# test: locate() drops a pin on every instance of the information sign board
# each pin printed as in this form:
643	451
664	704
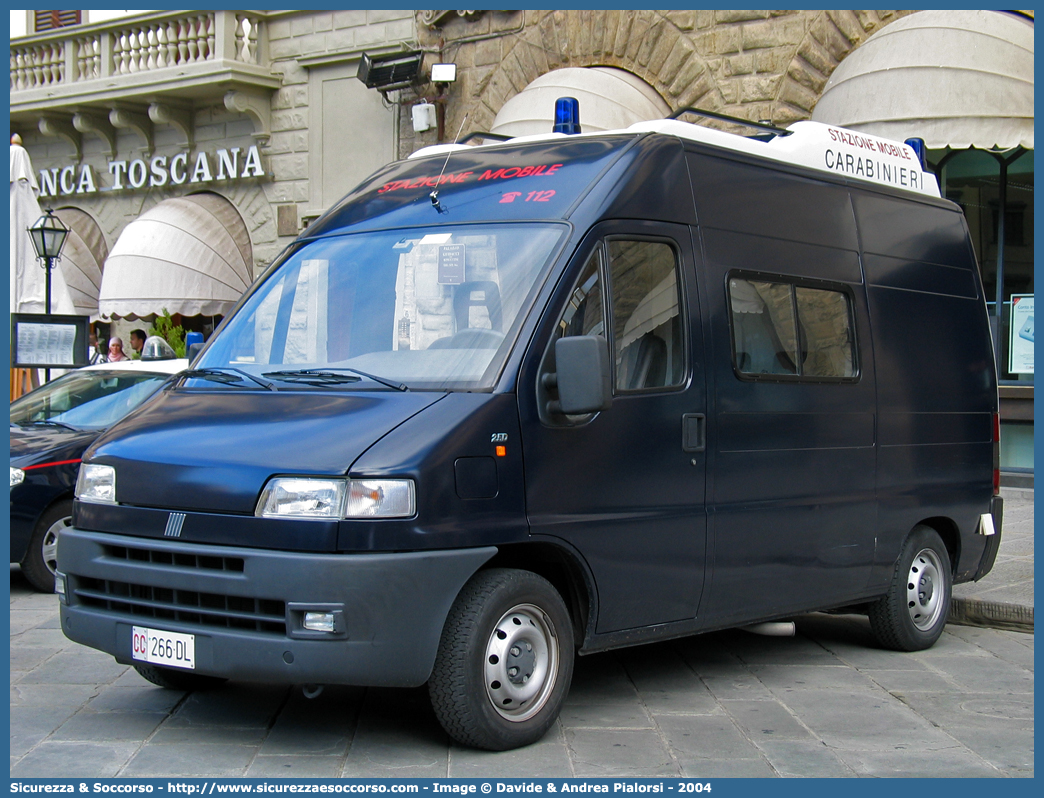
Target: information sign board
1020	346
42	340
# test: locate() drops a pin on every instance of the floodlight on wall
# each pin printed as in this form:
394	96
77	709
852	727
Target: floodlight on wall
390	71
443	73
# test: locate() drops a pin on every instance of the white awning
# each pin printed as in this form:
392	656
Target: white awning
189	255
82	258
610	99
953	78
28	278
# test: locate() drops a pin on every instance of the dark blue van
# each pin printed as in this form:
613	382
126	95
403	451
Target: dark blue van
509	403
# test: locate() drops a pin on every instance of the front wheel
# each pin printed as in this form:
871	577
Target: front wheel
504	662
911	616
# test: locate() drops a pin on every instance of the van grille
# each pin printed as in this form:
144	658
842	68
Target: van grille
182	606
178	559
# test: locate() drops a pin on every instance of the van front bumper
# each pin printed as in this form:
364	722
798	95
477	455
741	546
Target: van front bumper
245	607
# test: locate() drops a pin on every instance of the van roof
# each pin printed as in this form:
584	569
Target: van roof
824	148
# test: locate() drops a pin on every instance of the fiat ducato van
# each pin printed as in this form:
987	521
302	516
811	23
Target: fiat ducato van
513	402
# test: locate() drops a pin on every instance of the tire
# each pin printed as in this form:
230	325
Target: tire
911	616
40	560
172	679
504	662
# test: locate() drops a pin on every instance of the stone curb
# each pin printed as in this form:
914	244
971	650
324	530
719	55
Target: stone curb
994	614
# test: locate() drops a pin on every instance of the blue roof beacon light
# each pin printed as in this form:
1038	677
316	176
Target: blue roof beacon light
917	145
567	116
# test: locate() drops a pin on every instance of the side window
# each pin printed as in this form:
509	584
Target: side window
583	315
764	336
826	319
642	323
648	345
779	328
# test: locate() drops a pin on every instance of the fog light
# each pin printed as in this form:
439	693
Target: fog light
319	622
59	586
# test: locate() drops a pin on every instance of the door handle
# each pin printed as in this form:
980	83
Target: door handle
694	432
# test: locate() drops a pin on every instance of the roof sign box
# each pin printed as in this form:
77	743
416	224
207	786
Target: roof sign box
825	148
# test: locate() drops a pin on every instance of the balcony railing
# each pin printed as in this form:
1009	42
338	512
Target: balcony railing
129	47
92	78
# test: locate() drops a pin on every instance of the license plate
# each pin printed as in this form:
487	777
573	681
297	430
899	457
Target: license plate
163	648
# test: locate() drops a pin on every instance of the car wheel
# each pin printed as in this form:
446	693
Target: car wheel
171	679
504	662
40	560
911	616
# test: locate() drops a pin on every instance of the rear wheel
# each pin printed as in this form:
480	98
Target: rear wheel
504	662
172	679
911	616
41	557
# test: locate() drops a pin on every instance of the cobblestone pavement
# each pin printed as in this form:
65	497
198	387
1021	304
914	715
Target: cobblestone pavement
823	703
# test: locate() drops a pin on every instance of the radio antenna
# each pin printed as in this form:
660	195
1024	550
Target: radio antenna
434	195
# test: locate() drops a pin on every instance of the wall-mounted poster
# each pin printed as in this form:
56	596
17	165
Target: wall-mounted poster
1020	348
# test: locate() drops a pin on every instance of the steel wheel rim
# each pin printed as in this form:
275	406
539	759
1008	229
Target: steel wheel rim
924	589
49	549
521	662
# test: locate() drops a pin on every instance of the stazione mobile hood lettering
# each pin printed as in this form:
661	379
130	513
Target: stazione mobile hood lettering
543	182
503	173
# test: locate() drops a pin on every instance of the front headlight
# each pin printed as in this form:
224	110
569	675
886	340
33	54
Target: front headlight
294	497
96	484
17	476
332	498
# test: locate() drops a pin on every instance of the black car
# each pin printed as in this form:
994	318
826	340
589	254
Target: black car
51	427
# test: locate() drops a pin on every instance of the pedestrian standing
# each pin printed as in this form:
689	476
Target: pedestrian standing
137	342
97	351
116	350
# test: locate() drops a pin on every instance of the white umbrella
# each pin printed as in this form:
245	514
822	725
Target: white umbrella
28	277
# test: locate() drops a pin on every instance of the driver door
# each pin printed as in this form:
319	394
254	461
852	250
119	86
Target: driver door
626	487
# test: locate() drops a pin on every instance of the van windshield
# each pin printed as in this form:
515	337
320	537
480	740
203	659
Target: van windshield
425	308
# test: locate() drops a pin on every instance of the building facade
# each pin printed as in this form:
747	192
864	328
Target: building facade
256	114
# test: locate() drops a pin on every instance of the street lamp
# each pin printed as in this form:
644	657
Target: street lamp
48	235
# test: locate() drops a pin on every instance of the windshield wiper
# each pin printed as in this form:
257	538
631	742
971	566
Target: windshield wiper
47	422
312	377
222	375
331	377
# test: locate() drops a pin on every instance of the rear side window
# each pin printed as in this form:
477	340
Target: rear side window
784	330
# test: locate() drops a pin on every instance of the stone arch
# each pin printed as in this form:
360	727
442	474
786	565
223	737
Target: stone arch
831	36
610	99
753	64
649	44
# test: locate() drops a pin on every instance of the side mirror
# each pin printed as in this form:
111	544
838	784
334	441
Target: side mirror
584	383
193	349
